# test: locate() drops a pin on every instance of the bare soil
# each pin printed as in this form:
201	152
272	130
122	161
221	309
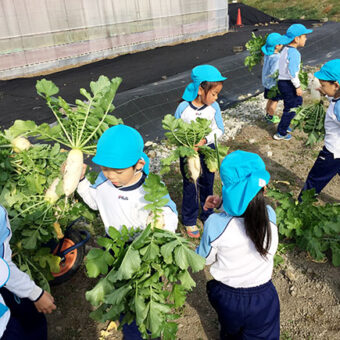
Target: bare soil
309	292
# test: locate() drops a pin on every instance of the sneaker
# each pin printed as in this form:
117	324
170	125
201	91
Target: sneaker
272	119
193	231
277	136
289	129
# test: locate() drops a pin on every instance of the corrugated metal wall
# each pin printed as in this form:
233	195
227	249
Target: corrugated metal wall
44	35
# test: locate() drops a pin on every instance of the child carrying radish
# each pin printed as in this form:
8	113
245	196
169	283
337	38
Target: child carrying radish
327	165
118	193
199	100
240	244
22	302
289	83
271	52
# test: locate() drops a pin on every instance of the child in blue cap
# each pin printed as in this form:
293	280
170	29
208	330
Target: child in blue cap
199	100
118	192
271	51
288	80
327	165
240	244
22	303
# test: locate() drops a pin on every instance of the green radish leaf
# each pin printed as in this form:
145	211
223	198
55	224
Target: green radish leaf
96	295
118	295
98	262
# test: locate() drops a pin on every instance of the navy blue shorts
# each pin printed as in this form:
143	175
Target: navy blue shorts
246	313
275	98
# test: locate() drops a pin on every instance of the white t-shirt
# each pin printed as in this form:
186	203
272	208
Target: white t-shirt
123	206
233	257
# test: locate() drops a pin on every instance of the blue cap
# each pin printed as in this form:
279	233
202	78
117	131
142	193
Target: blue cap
330	71
273	39
243	175
200	74
294	31
120	147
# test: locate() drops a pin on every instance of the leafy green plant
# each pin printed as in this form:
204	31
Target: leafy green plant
310	119
184	136
145	280
314	228
78	127
156	193
24	179
254	47
35	178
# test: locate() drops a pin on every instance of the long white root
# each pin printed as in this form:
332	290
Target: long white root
194	167
73	171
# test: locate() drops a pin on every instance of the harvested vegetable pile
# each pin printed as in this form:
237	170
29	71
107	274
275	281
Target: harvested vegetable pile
37	180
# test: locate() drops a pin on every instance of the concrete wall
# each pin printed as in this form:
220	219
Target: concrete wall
47	35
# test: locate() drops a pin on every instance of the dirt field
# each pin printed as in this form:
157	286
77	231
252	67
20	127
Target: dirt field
309	292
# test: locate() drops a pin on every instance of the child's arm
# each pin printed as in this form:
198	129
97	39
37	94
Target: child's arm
294	61
217	127
87	192
180	108
19	282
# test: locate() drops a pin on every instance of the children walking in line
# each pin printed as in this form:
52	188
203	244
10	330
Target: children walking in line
271	52
199	100
327	165
289	83
22	303
240	244
118	192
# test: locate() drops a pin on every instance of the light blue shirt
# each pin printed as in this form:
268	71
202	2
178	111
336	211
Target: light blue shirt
270	66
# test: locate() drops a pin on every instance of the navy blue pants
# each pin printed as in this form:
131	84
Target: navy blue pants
26	322
246	313
193	201
290	101
323	170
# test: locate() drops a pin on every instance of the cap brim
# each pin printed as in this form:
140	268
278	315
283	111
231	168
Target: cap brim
322	76
308	31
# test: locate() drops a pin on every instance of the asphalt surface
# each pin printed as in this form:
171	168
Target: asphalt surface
154	80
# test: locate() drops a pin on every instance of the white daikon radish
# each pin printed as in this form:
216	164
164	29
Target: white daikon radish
20	144
158	223
51	195
194	167
73	171
314	85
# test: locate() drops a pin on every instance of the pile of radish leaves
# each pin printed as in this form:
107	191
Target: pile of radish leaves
311	119
184	136
312	227
32	175
145	280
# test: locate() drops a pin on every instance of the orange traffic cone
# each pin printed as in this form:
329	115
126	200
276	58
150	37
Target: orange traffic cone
239	20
